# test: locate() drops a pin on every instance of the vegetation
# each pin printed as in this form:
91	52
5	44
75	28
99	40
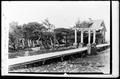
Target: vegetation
43	35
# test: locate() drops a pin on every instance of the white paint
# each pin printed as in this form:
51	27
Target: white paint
115	38
75	37
82	36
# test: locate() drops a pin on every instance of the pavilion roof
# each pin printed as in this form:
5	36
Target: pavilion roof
98	24
95	25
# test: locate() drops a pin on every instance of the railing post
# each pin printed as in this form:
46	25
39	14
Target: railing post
91	47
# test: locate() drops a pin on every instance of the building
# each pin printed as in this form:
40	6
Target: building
95	31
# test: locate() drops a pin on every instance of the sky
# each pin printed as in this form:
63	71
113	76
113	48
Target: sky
61	14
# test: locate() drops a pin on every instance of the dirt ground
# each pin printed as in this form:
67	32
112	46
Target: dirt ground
91	63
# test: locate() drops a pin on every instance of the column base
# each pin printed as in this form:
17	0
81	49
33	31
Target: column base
81	45
93	44
89	49
104	41
92	50
75	45
26	53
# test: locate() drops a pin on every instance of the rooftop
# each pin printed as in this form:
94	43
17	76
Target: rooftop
93	25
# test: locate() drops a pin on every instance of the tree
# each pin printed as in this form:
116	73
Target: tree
64	34
33	31
77	24
12	41
84	24
12	26
15	35
25	34
50	27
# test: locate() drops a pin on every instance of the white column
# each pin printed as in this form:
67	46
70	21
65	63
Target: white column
75	37
81	36
89	45
94	36
89	36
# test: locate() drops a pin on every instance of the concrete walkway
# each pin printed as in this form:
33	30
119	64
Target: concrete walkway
30	59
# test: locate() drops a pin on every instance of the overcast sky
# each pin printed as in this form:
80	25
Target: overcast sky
61	14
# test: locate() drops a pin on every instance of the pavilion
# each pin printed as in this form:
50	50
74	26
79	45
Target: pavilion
96	27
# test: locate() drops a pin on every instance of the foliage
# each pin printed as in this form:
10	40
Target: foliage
44	35
83	24
64	35
33	30
48	25
28	33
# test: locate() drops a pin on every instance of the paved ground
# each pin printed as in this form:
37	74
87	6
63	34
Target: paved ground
94	63
31	59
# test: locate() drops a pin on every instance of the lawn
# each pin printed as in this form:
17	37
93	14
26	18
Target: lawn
21	53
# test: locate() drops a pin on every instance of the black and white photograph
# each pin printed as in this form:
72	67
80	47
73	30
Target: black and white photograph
60	38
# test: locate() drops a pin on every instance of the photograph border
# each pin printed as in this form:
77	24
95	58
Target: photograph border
67	73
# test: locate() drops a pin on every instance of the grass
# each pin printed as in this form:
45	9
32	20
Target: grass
21	53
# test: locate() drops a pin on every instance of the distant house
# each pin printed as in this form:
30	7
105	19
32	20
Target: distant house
100	28
98	25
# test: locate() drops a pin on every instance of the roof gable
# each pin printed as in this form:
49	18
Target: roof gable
98	24
94	25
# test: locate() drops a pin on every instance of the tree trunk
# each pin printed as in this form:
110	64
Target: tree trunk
51	42
33	44
28	43
66	39
14	47
41	44
23	41
37	42
58	43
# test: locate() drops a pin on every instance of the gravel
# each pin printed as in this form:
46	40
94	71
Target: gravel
90	63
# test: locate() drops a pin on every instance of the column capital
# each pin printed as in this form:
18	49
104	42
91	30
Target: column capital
82	31
94	30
